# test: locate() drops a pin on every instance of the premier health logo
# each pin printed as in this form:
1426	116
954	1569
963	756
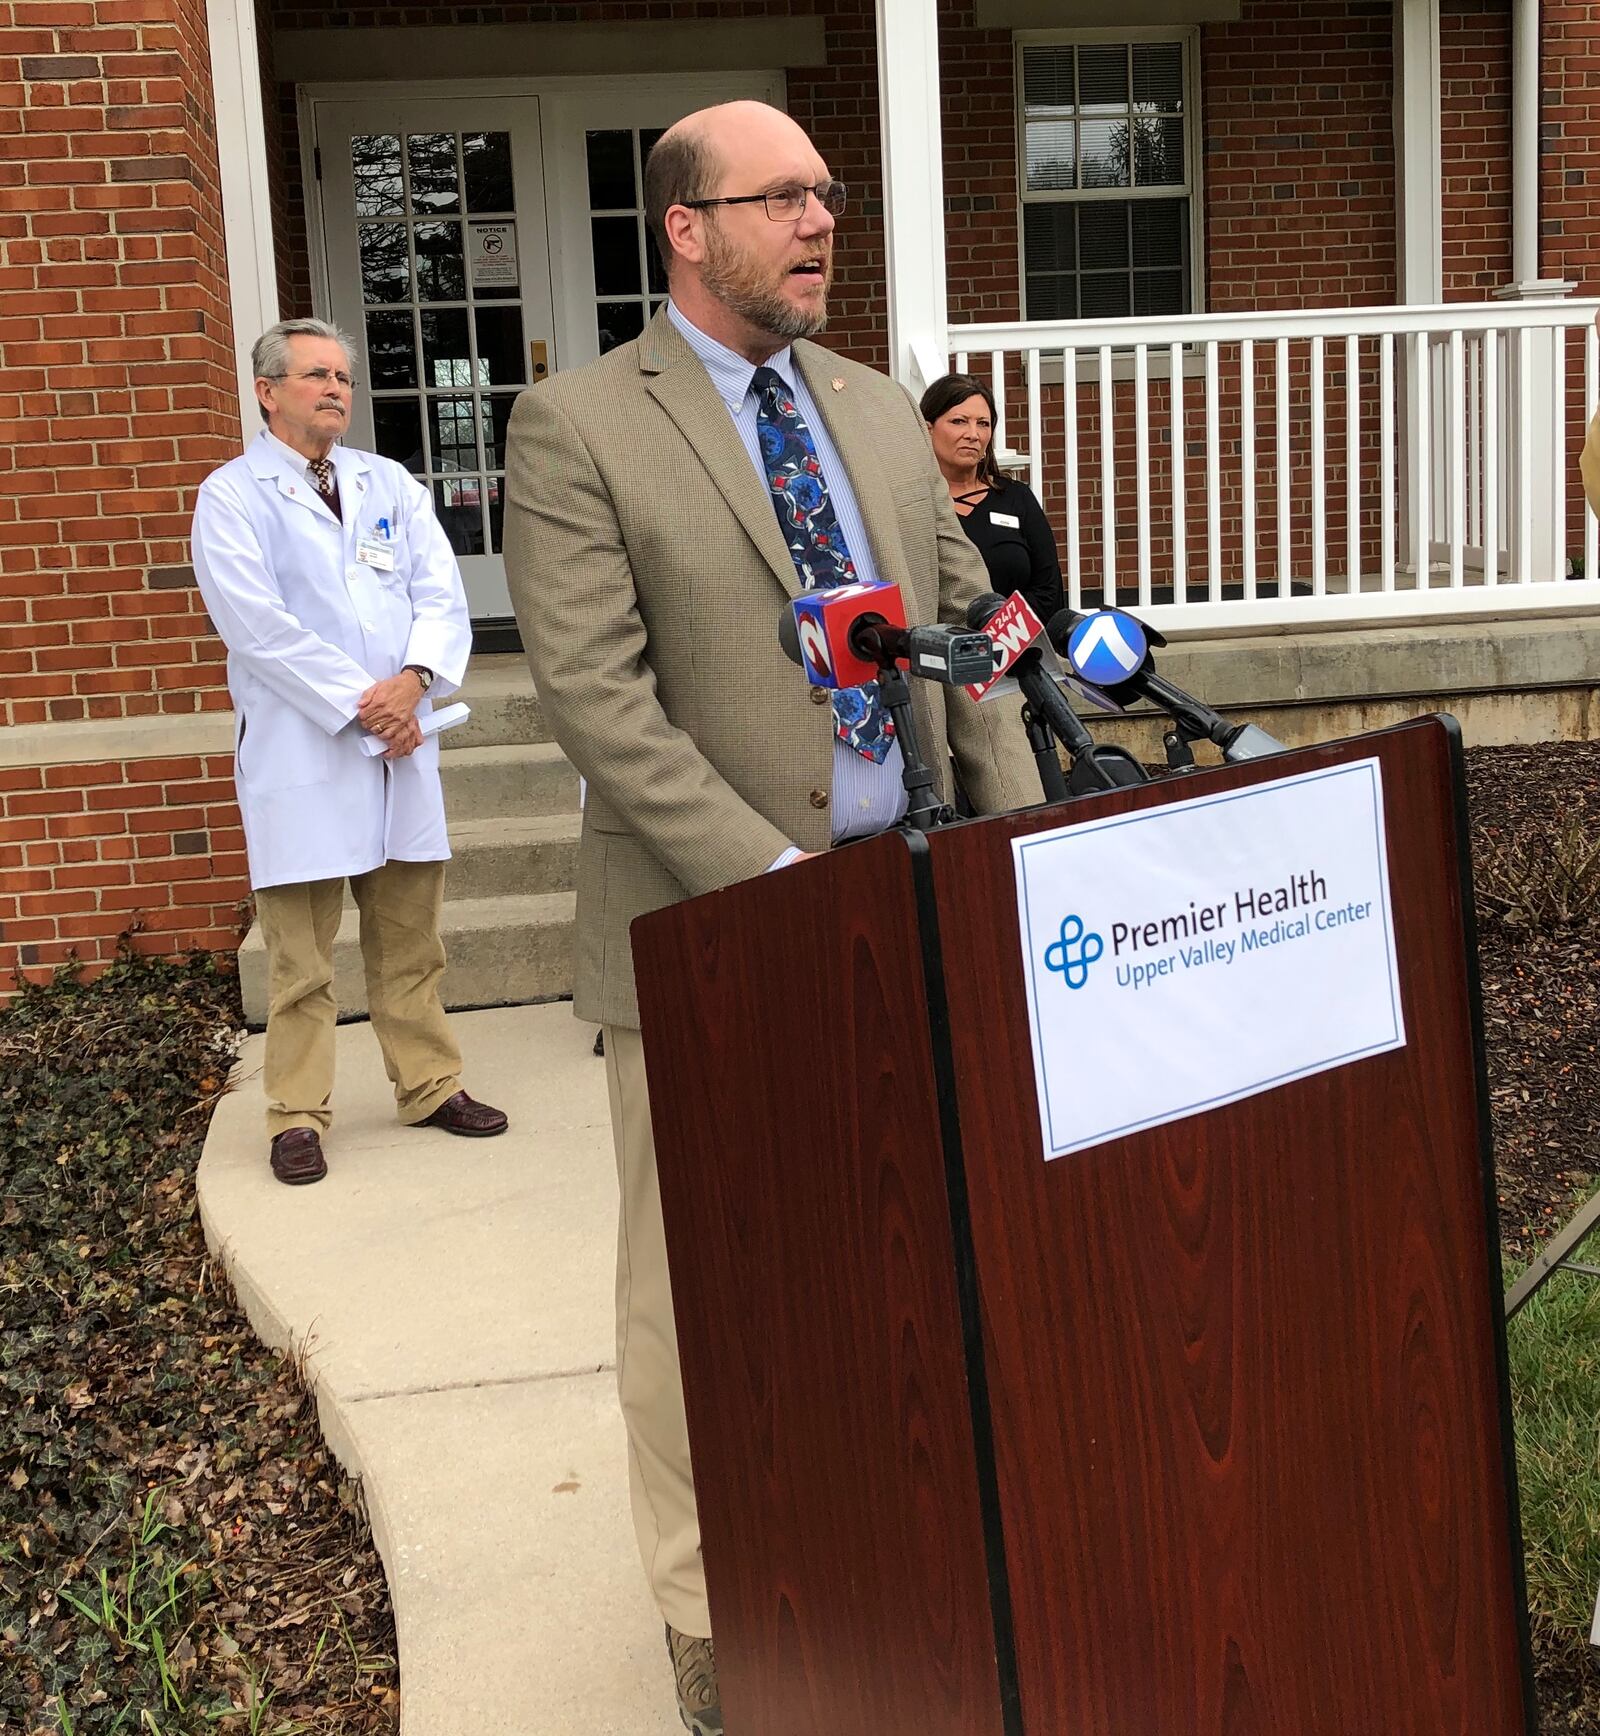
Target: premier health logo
1074	952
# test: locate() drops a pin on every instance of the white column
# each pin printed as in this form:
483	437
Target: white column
913	189
1536	388
1418	131
1419	251
1524	140
246	198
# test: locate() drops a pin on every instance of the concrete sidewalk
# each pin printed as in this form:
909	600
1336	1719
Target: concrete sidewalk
454	1301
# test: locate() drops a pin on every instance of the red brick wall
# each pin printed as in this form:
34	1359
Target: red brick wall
116	398
1475	64
1297	105
88	852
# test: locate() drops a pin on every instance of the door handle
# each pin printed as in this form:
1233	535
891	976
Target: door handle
538	360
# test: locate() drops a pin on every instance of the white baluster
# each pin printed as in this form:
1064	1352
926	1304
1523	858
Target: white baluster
1213	478
1352	464
997	379
1475	440
1035	428
1558	446
1319	474
1455	435
1247	455
1386	459
1108	484
1069	405
1522	500
1283	466
1141	432
1491	458
1180	502
1422	436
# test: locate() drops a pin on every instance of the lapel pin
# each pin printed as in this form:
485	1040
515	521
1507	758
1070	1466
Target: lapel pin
838	385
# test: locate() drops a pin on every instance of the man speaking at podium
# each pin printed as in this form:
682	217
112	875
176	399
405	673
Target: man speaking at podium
663	503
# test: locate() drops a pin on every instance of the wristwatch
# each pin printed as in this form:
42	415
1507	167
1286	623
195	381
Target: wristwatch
425	676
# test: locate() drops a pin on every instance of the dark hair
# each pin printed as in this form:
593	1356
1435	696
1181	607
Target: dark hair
681	166
943	396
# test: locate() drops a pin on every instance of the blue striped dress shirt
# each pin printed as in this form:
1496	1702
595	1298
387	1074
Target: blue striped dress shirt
866	797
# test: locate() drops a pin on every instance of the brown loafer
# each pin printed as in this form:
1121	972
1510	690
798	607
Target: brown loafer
467	1116
297	1156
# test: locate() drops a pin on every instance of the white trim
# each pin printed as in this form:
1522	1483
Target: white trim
1188	38
1524	141
1118	15
390	54
912	155
1419	133
244	185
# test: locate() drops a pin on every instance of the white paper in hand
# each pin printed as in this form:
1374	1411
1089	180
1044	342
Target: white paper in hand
446	717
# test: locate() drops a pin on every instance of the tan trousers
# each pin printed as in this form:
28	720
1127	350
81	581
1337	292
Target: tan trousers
660	1481
404	960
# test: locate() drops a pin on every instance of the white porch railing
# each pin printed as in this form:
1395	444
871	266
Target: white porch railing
1283	469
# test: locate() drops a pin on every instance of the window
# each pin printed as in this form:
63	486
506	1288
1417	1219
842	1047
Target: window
1107	176
629	281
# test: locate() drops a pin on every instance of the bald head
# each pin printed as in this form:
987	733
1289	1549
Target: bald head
690	159
748	247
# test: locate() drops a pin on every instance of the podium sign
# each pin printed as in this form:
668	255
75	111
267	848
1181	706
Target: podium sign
1253	925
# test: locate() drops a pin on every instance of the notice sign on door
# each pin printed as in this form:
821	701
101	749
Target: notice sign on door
492	255
1190	955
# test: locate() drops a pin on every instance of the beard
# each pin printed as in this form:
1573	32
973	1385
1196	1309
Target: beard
755	292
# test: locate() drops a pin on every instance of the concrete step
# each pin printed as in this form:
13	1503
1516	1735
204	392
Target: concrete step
508	782
511	857
505	708
501	951
507	858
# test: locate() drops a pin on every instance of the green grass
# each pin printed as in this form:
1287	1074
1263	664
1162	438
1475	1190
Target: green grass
1554	1346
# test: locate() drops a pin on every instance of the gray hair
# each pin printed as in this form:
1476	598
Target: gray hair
269	357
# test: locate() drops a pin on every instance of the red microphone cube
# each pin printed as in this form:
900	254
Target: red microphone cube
824	620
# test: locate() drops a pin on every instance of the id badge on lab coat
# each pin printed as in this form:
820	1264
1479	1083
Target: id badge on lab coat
375	552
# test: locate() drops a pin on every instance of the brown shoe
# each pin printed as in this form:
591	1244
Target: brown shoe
297	1156
694	1664
466	1115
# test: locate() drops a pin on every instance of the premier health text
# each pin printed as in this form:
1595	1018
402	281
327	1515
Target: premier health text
1196	937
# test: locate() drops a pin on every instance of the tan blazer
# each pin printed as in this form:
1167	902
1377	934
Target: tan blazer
647	572
1589	467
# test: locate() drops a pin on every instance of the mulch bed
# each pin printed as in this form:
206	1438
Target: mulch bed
178	1551
145	1436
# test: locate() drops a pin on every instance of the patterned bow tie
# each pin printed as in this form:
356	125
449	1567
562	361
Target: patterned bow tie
816	544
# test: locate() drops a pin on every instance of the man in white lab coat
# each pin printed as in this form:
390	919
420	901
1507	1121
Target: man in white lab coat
330	581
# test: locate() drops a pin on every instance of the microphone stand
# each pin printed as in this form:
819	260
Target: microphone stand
924	810
1041	738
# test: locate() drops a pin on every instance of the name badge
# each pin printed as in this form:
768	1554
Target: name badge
374	552
1006	519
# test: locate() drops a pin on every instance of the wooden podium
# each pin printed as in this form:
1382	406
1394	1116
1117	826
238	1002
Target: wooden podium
1200	1432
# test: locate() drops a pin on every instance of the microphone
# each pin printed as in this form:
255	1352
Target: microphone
1011	623
1111	650
847	635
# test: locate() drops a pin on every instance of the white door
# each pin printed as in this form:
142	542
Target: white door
442	218
438	266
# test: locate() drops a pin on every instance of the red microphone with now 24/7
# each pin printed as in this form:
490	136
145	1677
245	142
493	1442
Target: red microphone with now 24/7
849	634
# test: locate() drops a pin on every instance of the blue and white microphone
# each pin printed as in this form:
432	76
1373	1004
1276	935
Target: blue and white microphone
1111	650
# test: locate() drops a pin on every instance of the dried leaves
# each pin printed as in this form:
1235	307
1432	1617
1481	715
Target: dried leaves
177	1549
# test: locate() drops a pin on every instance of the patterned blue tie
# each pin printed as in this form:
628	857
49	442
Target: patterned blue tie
816	544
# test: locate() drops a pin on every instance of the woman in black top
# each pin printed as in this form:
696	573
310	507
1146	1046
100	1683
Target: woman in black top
1003	519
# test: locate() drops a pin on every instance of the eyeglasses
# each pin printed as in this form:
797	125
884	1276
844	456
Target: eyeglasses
321	376
787	204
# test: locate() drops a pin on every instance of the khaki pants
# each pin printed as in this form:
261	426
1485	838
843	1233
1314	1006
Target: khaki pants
660	1482
404	959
